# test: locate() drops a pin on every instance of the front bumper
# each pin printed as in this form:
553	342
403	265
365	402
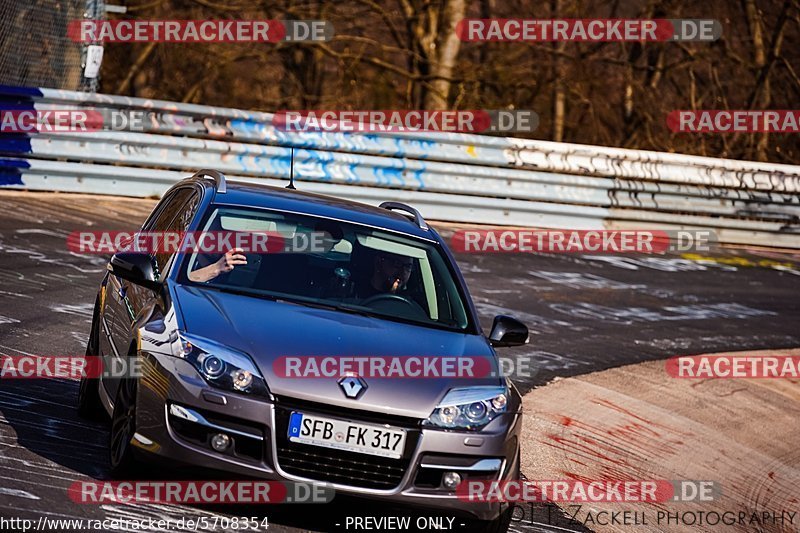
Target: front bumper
176	407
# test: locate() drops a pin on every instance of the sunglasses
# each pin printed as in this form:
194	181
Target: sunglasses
398	263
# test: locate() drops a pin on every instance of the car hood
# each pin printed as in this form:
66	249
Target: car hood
267	330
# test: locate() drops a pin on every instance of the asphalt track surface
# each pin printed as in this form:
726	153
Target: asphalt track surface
585	313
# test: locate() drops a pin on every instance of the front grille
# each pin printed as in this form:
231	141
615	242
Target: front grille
338	466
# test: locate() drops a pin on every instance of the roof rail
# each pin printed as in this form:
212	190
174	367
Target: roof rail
408	209
219	178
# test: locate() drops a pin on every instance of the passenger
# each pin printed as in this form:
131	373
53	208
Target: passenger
225	264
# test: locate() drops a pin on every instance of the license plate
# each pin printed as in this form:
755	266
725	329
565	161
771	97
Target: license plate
349	436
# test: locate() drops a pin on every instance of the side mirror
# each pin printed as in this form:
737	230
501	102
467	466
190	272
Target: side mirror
508	331
134	267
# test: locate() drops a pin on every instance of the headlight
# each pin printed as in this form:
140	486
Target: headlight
469	408
221	366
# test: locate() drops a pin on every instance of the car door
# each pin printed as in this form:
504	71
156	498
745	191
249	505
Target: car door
124	300
111	301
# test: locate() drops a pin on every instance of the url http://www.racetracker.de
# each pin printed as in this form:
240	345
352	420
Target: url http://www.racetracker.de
202	523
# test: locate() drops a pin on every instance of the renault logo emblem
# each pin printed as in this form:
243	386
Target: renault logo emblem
353	386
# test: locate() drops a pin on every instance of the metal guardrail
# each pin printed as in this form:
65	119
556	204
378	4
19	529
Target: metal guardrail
454	177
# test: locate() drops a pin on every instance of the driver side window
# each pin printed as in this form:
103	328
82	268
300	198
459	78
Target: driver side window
175	216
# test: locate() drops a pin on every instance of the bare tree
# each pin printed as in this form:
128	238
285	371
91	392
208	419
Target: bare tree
406	54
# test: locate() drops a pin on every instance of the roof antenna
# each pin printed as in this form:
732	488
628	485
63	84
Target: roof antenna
291	172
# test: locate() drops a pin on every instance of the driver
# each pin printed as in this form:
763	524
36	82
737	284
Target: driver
390	274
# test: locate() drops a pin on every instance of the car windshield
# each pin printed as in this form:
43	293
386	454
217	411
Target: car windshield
321	262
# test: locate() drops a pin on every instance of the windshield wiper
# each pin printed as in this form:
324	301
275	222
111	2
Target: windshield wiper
242	292
329	307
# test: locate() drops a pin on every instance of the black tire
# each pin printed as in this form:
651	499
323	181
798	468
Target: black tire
89	405
123	426
499	524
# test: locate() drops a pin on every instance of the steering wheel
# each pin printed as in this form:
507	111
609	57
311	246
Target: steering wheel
414	307
387	297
